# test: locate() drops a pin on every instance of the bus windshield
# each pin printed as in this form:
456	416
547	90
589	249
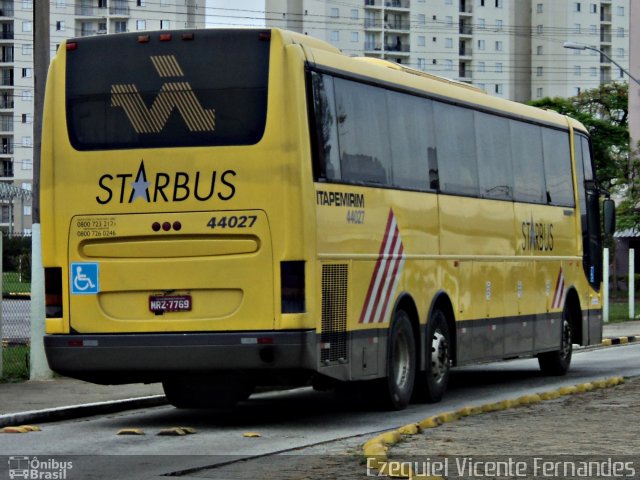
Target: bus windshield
189	89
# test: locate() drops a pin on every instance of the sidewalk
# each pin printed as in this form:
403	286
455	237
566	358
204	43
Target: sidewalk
65	398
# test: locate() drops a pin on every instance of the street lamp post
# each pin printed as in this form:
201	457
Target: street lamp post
582	46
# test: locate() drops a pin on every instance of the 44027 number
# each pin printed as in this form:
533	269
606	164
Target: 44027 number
232	221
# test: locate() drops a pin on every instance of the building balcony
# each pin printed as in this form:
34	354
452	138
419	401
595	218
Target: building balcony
118	10
373	3
6	103
6	149
372	47
605	37
85	10
372	24
6	35
465	51
466	7
397	5
465	29
397	26
6	10
397	49
605	17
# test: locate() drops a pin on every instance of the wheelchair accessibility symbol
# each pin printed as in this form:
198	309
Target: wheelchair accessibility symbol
84	278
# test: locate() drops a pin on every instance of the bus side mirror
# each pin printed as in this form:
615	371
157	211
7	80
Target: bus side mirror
609	216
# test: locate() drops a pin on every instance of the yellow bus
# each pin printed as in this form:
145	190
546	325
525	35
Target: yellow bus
229	208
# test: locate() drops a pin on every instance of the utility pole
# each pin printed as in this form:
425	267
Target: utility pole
39	369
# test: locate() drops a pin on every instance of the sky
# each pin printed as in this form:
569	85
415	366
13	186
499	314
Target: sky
249	13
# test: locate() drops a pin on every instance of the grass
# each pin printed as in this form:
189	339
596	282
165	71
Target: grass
11	283
619	310
15	363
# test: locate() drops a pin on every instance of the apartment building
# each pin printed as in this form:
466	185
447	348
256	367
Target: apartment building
510	48
68	18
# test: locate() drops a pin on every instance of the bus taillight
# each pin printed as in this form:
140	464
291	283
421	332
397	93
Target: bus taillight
53	292
292	284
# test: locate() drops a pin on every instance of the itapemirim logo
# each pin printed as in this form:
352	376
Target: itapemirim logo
178	95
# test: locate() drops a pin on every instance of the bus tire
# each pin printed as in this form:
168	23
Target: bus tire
557	363
438	361
396	389
206	392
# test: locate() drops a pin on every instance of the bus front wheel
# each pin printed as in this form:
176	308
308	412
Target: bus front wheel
558	362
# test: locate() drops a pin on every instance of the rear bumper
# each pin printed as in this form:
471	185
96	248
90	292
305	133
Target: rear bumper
147	357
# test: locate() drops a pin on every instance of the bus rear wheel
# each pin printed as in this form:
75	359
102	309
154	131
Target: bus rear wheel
218	391
558	362
396	389
438	361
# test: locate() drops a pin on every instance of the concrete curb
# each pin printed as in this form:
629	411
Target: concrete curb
376	450
620	340
78	411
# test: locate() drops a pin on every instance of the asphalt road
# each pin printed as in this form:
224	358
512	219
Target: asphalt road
288	422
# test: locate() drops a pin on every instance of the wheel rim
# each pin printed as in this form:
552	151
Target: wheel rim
439	356
401	361
567	341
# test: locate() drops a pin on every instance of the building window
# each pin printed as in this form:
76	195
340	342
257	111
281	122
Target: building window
539	93
27	49
481	3
60	26
26	186
620	52
481	45
577	6
448	2
335	36
539	71
26	141
421	41
498	88
165	24
499	25
482	23
539	50
27	95
498	68
621	74
27	73
577	91
593	8
165	3
621	32
422	19
540	8
121	26
481	67
354	14
335	13
539	29
27	164
577	70
448	19
448	43
141	24
27	26
620	11
448	65
355	37
593	29
593	71
422	63
498	45
498	3
26	209
27	4
140	3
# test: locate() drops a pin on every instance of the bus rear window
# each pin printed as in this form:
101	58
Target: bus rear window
206	88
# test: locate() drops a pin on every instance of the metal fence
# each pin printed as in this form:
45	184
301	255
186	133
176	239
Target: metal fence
16	307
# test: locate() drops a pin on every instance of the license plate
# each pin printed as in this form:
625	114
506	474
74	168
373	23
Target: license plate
169	303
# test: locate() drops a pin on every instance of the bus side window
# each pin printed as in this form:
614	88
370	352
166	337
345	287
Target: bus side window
494	156
326	134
